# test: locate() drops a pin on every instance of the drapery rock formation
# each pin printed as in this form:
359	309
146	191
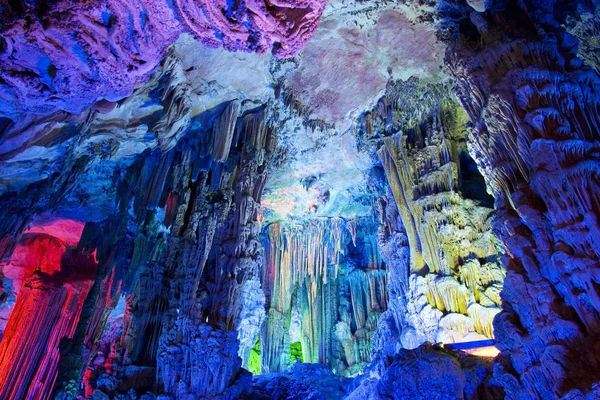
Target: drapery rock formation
290	199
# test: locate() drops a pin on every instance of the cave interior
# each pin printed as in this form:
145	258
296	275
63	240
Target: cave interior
299	199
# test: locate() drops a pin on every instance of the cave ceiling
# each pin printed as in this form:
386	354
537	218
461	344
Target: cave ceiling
314	95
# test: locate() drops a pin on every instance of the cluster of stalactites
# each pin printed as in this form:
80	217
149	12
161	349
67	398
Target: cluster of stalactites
405	104
337	300
233	305
298	254
367	295
422	179
187	232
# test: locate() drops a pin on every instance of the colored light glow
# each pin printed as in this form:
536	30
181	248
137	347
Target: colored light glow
67	230
479	348
41	249
487	352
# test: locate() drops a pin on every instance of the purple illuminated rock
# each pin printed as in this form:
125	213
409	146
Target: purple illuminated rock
71	54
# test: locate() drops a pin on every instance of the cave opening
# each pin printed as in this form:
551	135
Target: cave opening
474	186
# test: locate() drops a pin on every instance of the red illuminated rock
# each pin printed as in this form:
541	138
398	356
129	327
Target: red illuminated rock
47	310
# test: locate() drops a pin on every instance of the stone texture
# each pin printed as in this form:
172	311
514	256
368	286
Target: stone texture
66	55
323	79
299	382
534	110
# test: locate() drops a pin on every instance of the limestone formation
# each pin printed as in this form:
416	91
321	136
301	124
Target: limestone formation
449	276
308	199
534	110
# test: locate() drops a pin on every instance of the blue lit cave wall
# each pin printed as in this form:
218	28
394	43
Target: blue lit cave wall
308	200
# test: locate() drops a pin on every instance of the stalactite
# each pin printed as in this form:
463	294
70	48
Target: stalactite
447	294
395	177
224	128
338	298
176	100
275	341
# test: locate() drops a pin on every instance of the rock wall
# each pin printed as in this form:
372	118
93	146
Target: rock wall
533	107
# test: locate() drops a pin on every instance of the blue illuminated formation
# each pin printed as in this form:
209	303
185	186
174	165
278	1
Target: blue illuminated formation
222	199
